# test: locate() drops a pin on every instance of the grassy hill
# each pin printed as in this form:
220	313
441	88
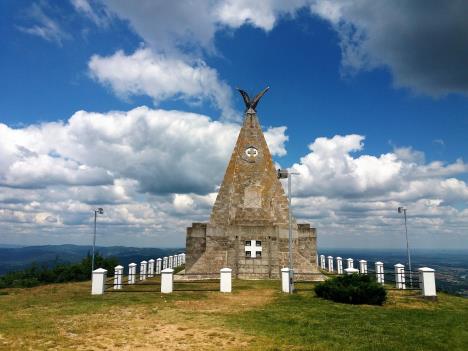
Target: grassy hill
17	258
256	316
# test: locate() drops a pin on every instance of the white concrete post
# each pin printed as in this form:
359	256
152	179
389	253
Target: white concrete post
118	273
167	281
351	271
131	273
158	266
379	272
322	261
330	263
363	266
183	258
400	276
151	268
286	275
226	280
350	263
143	270
98	281
165	263
177	260
427	282
339	265
170	262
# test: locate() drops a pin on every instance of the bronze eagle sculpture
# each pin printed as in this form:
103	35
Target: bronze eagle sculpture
252	104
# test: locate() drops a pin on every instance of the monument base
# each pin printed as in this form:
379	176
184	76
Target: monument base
252	252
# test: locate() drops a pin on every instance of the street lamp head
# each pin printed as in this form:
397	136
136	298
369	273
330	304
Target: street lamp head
283	173
99	210
401	209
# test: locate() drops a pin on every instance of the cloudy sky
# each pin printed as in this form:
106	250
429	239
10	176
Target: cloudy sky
131	106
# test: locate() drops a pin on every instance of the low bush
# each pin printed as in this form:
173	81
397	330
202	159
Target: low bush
354	289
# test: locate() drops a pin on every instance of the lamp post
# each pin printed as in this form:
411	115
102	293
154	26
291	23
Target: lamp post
403	210
284	173
96	211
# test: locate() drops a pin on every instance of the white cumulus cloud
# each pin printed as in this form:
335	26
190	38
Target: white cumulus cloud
261	14
161	77
153	172
173	25
346	194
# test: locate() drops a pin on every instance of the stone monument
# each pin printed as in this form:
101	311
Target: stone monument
248	226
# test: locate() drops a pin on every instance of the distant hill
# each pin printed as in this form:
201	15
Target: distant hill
17	258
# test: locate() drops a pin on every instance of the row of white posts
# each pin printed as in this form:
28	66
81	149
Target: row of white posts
426	274
148	269
167	281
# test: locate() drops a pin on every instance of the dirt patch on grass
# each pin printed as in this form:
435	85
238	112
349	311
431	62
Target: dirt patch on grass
229	303
180	325
148	328
159	336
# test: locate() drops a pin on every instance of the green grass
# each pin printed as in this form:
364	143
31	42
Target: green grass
309	323
257	316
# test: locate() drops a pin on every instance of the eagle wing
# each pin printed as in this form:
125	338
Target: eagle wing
258	97
246	98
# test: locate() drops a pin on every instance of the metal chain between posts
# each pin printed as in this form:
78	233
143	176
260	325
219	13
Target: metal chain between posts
213	279
389	277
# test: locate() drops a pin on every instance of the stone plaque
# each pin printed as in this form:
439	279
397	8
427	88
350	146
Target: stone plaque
252	197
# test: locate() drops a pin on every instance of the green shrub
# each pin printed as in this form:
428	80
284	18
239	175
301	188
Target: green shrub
355	289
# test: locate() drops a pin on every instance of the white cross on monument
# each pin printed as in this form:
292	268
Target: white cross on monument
251	152
253	246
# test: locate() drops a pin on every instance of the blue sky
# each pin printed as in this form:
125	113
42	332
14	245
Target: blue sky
389	83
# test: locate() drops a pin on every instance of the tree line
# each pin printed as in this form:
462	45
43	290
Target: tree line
63	272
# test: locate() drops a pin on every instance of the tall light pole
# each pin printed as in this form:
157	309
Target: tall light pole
403	210
284	173
96	211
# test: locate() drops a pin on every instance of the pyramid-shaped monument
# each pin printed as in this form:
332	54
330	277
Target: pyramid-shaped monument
248	227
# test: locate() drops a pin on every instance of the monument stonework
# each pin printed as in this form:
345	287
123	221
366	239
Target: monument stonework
248	226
